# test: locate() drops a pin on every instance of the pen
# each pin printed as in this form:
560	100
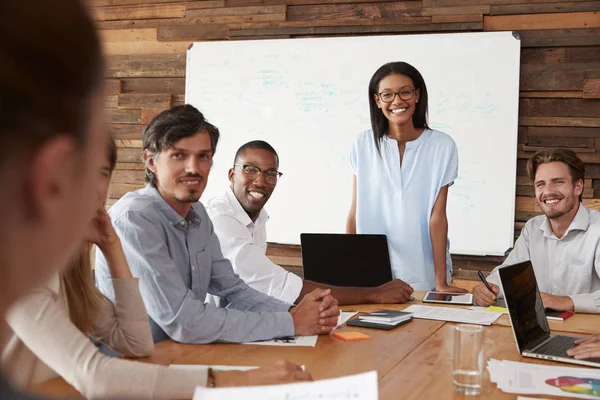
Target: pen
485	282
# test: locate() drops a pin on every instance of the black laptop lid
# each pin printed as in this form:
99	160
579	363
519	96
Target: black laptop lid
524	305
346	260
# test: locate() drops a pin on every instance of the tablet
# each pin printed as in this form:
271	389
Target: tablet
448	298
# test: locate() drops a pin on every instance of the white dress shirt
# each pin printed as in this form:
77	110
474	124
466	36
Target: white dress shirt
566	266
244	243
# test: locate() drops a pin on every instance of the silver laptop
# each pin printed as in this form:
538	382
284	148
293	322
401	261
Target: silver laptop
528	318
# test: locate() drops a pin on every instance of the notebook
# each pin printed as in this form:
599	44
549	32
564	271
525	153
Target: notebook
386	316
345	259
528	318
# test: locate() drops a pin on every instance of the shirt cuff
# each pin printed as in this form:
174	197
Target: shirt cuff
494	278
585	303
292	289
285	325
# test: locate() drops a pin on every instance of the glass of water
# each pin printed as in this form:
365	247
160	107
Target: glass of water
467	372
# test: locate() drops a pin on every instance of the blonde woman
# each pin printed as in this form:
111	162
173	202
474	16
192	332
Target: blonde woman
51	328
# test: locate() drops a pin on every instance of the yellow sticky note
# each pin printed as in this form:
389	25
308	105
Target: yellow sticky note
496	309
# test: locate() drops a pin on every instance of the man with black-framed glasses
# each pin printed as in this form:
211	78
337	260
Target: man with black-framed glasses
171	247
239	220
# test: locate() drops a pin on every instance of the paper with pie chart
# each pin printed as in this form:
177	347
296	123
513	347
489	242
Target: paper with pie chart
526	378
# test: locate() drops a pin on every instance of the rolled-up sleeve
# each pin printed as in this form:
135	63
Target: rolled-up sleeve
180	312
519	253
232	290
250	262
589	302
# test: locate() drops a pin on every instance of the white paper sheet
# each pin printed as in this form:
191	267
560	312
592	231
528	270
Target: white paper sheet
198	367
344	317
353	387
307	341
453	314
525	378
529	398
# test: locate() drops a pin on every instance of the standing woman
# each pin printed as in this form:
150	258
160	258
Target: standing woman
402	171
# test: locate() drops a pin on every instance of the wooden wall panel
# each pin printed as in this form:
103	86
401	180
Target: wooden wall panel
354	11
142	11
499	9
146	41
542	21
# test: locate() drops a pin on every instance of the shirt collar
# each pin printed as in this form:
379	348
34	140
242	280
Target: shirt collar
176	220
240	214
579	223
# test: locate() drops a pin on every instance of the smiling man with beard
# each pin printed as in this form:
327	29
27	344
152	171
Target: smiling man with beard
171	247
240	221
564	243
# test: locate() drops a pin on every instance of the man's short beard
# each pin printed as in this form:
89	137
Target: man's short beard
192	198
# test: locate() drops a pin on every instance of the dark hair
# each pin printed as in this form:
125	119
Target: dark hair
379	122
50	65
172	125
112	154
565	156
255	145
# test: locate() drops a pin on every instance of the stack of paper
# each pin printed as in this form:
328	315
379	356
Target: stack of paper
453	314
525	378
354	387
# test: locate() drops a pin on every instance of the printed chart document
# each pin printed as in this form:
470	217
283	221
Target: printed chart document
525	378
453	314
307	341
353	387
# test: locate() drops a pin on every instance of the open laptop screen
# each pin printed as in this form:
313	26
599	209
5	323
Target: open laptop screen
524	305
346	259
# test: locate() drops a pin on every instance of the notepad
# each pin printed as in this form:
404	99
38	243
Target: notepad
350	336
386	316
558	315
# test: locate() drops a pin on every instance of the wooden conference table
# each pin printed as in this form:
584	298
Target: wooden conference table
413	361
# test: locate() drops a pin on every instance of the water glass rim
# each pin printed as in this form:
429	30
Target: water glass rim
469	328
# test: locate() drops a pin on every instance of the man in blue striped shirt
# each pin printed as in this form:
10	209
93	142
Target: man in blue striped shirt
171	246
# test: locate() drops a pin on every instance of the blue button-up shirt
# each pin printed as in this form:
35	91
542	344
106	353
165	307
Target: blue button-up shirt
178	261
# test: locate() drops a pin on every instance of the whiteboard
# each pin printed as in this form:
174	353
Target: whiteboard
309	99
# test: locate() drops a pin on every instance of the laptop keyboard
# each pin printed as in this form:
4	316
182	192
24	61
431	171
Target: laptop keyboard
556	346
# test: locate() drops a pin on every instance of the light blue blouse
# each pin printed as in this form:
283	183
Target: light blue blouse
397	199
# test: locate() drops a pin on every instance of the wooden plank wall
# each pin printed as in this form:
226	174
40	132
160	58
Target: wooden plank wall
146	40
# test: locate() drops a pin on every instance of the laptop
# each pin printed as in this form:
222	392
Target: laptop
346	259
528	318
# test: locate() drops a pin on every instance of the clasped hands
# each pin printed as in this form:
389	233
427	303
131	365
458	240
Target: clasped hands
316	314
